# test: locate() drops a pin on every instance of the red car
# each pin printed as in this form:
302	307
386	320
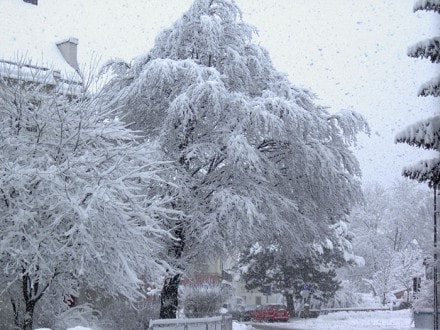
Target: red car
271	313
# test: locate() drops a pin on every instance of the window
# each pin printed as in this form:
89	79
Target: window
33	2
258	300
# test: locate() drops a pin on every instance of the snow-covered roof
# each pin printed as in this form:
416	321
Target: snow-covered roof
27	39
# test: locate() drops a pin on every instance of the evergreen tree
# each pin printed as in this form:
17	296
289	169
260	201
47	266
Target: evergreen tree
425	133
276	268
255	158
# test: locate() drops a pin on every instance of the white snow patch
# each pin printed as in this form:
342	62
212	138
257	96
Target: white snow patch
75	328
378	320
241	326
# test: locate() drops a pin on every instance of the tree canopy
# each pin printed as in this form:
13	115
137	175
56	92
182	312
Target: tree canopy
255	158
251	149
393	240
283	272
76	200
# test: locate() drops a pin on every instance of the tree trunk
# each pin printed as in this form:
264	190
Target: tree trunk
170	290
15	309
31	295
290	305
29	316
28	301
384	299
169	297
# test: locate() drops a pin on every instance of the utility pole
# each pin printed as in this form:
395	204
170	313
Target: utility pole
435	262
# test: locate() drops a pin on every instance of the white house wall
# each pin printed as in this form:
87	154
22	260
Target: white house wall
254	297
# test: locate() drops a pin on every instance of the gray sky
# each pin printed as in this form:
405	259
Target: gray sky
351	53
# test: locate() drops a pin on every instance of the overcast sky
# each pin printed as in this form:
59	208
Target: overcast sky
351	53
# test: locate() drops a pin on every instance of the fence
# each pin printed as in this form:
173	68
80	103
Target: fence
424	318
207	323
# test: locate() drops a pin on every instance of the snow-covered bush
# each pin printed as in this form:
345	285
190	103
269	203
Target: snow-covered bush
200	301
425	298
121	314
83	315
347	296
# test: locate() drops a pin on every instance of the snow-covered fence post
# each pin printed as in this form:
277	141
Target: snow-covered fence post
224	324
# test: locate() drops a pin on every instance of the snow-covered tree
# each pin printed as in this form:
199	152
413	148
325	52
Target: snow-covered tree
391	233
429	49
425	133
77	204
280	270
255	158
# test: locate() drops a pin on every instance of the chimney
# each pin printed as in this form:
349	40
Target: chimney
68	49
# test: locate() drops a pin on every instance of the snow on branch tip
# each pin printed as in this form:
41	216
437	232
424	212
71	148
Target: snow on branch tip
424	134
433	5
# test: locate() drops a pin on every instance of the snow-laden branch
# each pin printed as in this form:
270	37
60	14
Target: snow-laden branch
427	171
428	48
430	88
425	134
433	5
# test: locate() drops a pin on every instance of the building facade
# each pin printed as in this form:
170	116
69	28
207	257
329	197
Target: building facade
33	51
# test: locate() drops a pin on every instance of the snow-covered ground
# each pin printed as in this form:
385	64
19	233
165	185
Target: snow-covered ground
75	328
379	320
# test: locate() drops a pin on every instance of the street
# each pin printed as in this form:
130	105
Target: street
274	326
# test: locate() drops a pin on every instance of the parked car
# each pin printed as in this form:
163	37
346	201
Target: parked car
271	313
235	312
246	313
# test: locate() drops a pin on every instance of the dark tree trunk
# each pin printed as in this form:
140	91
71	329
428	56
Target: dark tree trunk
169	297
290	305
28	319
31	295
29	316
15	309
